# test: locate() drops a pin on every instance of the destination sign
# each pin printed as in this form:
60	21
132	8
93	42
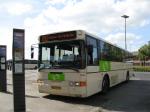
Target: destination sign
58	36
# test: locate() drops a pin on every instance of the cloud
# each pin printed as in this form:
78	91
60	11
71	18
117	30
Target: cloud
101	17
62	2
6	39
54	2
17	8
138	10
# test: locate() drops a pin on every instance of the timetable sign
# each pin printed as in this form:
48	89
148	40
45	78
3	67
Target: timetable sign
18	50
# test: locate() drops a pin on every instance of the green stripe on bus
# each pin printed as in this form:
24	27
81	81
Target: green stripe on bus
104	66
56	76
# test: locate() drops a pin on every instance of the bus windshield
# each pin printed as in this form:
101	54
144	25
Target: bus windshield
68	54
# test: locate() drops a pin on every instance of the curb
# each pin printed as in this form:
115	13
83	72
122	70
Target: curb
97	109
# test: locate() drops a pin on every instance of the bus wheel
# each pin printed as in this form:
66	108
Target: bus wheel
127	76
105	84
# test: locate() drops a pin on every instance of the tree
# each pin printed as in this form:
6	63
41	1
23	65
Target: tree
144	52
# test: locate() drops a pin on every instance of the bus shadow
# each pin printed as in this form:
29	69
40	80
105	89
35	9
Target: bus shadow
133	96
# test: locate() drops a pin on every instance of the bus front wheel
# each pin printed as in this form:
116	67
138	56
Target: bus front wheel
105	85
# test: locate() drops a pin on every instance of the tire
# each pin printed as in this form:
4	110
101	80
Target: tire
35	67
127	76
105	85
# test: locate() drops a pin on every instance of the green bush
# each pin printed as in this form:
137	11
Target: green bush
141	68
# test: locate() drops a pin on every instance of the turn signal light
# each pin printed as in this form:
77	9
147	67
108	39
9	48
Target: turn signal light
82	84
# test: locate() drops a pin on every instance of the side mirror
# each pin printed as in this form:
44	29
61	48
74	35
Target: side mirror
32	52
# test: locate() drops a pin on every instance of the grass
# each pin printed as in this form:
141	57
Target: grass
141	68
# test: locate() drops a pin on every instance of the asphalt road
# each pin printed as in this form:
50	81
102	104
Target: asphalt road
133	96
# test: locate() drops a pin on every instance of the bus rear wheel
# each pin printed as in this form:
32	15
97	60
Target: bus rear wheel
105	85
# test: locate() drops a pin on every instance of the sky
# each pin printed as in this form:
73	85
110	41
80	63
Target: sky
99	17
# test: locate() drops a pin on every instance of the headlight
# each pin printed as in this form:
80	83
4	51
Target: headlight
77	83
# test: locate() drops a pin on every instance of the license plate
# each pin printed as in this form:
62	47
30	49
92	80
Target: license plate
56	76
56	87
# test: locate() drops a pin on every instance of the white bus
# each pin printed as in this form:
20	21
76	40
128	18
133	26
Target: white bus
78	64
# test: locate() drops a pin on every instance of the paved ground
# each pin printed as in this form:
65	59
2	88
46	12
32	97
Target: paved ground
133	96
30	83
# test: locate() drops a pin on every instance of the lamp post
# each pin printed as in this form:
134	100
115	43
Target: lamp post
125	17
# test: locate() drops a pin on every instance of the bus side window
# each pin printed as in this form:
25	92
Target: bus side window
92	51
90	54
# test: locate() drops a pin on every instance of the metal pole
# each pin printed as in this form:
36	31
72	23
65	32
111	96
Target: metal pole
125	36
125	17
